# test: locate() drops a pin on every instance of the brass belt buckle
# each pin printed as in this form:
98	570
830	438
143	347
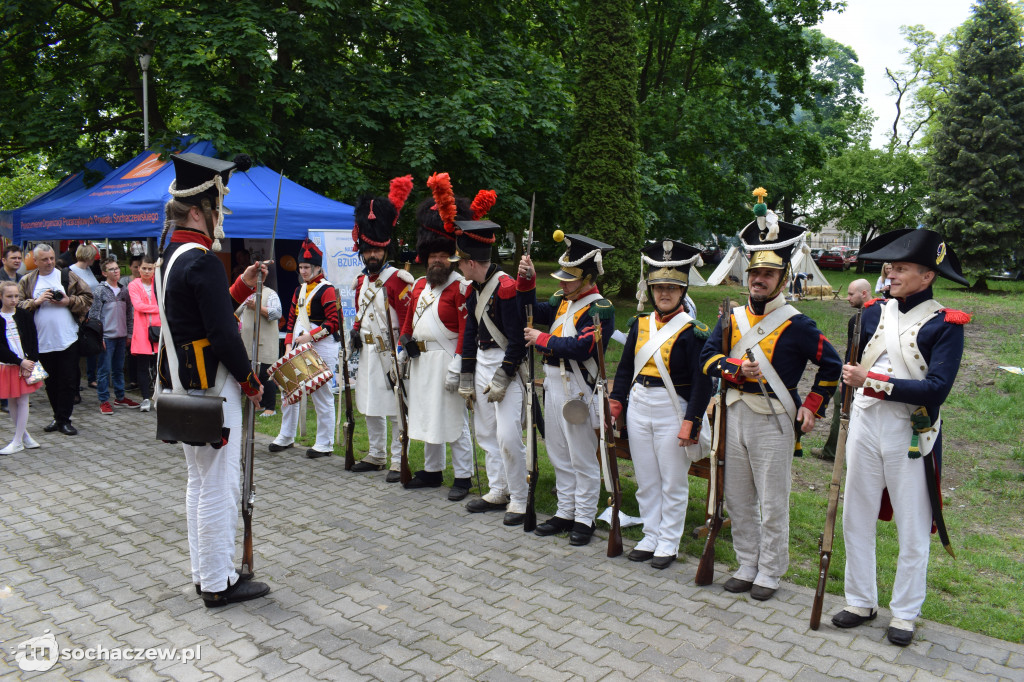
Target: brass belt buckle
368	339
422	345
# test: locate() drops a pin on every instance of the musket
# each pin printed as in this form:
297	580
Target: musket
249	439
606	439
764	392
403	419
828	535
350	422
532	463
715	515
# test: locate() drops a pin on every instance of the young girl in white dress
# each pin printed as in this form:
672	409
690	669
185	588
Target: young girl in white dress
18	355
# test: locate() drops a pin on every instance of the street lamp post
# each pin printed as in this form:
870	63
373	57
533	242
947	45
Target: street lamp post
144	63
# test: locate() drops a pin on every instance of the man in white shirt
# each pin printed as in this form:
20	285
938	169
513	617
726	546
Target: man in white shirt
56	298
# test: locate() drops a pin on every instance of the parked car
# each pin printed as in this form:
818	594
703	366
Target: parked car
816	254
851	257
832	261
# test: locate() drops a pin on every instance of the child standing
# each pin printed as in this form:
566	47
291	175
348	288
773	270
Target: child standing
18	354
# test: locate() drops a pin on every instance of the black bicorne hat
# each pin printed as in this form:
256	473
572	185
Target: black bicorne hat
922	247
583	257
309	253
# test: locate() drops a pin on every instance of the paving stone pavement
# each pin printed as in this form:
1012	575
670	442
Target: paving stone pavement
373	582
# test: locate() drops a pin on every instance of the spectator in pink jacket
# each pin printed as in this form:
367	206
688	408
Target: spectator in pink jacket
147	315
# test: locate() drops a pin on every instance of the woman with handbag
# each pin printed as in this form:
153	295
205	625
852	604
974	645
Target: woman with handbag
146	329
18	355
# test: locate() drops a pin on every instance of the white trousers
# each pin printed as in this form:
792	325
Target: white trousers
661	466
323	403
462	453
572	449
376	435
876	454
212	498
758	461
499	431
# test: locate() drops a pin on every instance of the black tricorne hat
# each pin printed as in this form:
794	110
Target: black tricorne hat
922	247
474	239
583	257
431	236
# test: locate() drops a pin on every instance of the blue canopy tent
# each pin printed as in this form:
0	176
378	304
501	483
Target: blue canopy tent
72	183
129	204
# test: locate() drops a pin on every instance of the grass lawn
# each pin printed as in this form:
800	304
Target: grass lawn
983	477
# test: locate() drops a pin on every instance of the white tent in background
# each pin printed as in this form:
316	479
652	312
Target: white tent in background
733	265
802	262
695	279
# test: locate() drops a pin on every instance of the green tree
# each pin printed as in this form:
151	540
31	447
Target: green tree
866	192
977	164
22	179
603	196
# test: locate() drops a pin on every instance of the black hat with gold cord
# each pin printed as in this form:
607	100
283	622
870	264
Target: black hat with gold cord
670	263
583	258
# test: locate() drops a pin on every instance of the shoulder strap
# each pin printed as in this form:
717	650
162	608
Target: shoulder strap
657	339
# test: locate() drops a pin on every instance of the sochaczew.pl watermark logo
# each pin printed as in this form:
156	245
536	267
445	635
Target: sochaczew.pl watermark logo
39	654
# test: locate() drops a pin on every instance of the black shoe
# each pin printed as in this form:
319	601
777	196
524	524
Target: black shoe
640	555
513	519
580	534
392	477
363	465
735	585
849	619
242	590
52	426
4	408
481	505
67	429
900	637
425	479
662	561
556	524
78	399
313	453
460	488
274	447
761	593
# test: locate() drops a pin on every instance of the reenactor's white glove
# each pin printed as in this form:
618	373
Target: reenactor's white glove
466	389
451	381
499	384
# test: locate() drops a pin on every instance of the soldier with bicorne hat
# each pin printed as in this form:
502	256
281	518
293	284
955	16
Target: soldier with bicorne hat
312	318
912	349
430	337
197	312
761	431
571	372
492	351
664	394
382	298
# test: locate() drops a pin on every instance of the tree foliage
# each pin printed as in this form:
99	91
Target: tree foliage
603	197
977	164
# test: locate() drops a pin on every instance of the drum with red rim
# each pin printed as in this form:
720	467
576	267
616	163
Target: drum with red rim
300	372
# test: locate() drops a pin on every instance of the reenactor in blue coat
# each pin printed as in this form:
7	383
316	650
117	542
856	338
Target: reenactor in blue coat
664	394
198	312
570	363
763	405
912	349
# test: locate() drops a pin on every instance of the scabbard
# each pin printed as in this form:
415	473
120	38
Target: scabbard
936	502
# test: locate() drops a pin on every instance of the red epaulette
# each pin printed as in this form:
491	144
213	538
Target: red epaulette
956	316
507	288
873	301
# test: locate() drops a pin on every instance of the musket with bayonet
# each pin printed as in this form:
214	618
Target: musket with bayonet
828	535
249	435
532	463
350	422
715	515
405	473
606	440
